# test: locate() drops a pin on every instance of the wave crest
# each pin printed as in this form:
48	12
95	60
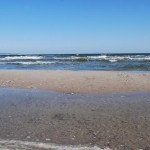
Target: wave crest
29	63
21	57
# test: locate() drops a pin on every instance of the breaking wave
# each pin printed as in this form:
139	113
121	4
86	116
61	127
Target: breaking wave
104	58
21	57
29	63
121	62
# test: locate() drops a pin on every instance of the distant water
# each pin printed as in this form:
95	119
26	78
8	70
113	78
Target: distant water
114	62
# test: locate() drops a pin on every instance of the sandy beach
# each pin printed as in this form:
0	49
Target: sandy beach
77	81
74	110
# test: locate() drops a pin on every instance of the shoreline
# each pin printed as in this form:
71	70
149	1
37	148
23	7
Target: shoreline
115	121
25	145
98	82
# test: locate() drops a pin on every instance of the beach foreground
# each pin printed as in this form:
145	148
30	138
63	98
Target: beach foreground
77	81
116	121
75	110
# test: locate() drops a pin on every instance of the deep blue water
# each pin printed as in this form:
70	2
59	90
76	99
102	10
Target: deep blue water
115	62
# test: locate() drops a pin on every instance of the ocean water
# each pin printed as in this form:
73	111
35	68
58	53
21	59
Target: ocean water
106	62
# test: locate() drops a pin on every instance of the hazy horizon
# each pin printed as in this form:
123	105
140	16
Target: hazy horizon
122	53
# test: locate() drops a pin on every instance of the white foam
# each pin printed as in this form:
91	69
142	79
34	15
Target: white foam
8	144
97	57
29	63
79	57
21	57
106	57
113	60
144	58
69	58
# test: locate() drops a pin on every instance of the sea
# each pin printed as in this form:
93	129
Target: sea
95	62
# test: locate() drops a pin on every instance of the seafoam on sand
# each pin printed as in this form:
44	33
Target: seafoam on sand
13	144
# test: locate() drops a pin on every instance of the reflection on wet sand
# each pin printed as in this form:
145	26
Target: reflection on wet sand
113	120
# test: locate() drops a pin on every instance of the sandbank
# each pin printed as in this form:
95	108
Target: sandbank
76	81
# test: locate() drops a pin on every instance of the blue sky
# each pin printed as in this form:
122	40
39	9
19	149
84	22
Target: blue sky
74	26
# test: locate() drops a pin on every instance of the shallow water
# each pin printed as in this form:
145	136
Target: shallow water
15	93
92	121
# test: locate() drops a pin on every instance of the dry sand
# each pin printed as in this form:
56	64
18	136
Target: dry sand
76	81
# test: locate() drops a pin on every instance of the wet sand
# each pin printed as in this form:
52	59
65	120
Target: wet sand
76	81
119	121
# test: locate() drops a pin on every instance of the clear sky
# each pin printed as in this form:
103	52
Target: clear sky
74	26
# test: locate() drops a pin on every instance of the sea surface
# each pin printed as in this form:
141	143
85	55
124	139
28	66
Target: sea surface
105	62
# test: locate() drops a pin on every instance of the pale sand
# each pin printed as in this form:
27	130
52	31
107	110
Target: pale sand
76	81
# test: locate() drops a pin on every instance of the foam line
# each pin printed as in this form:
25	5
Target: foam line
11	144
